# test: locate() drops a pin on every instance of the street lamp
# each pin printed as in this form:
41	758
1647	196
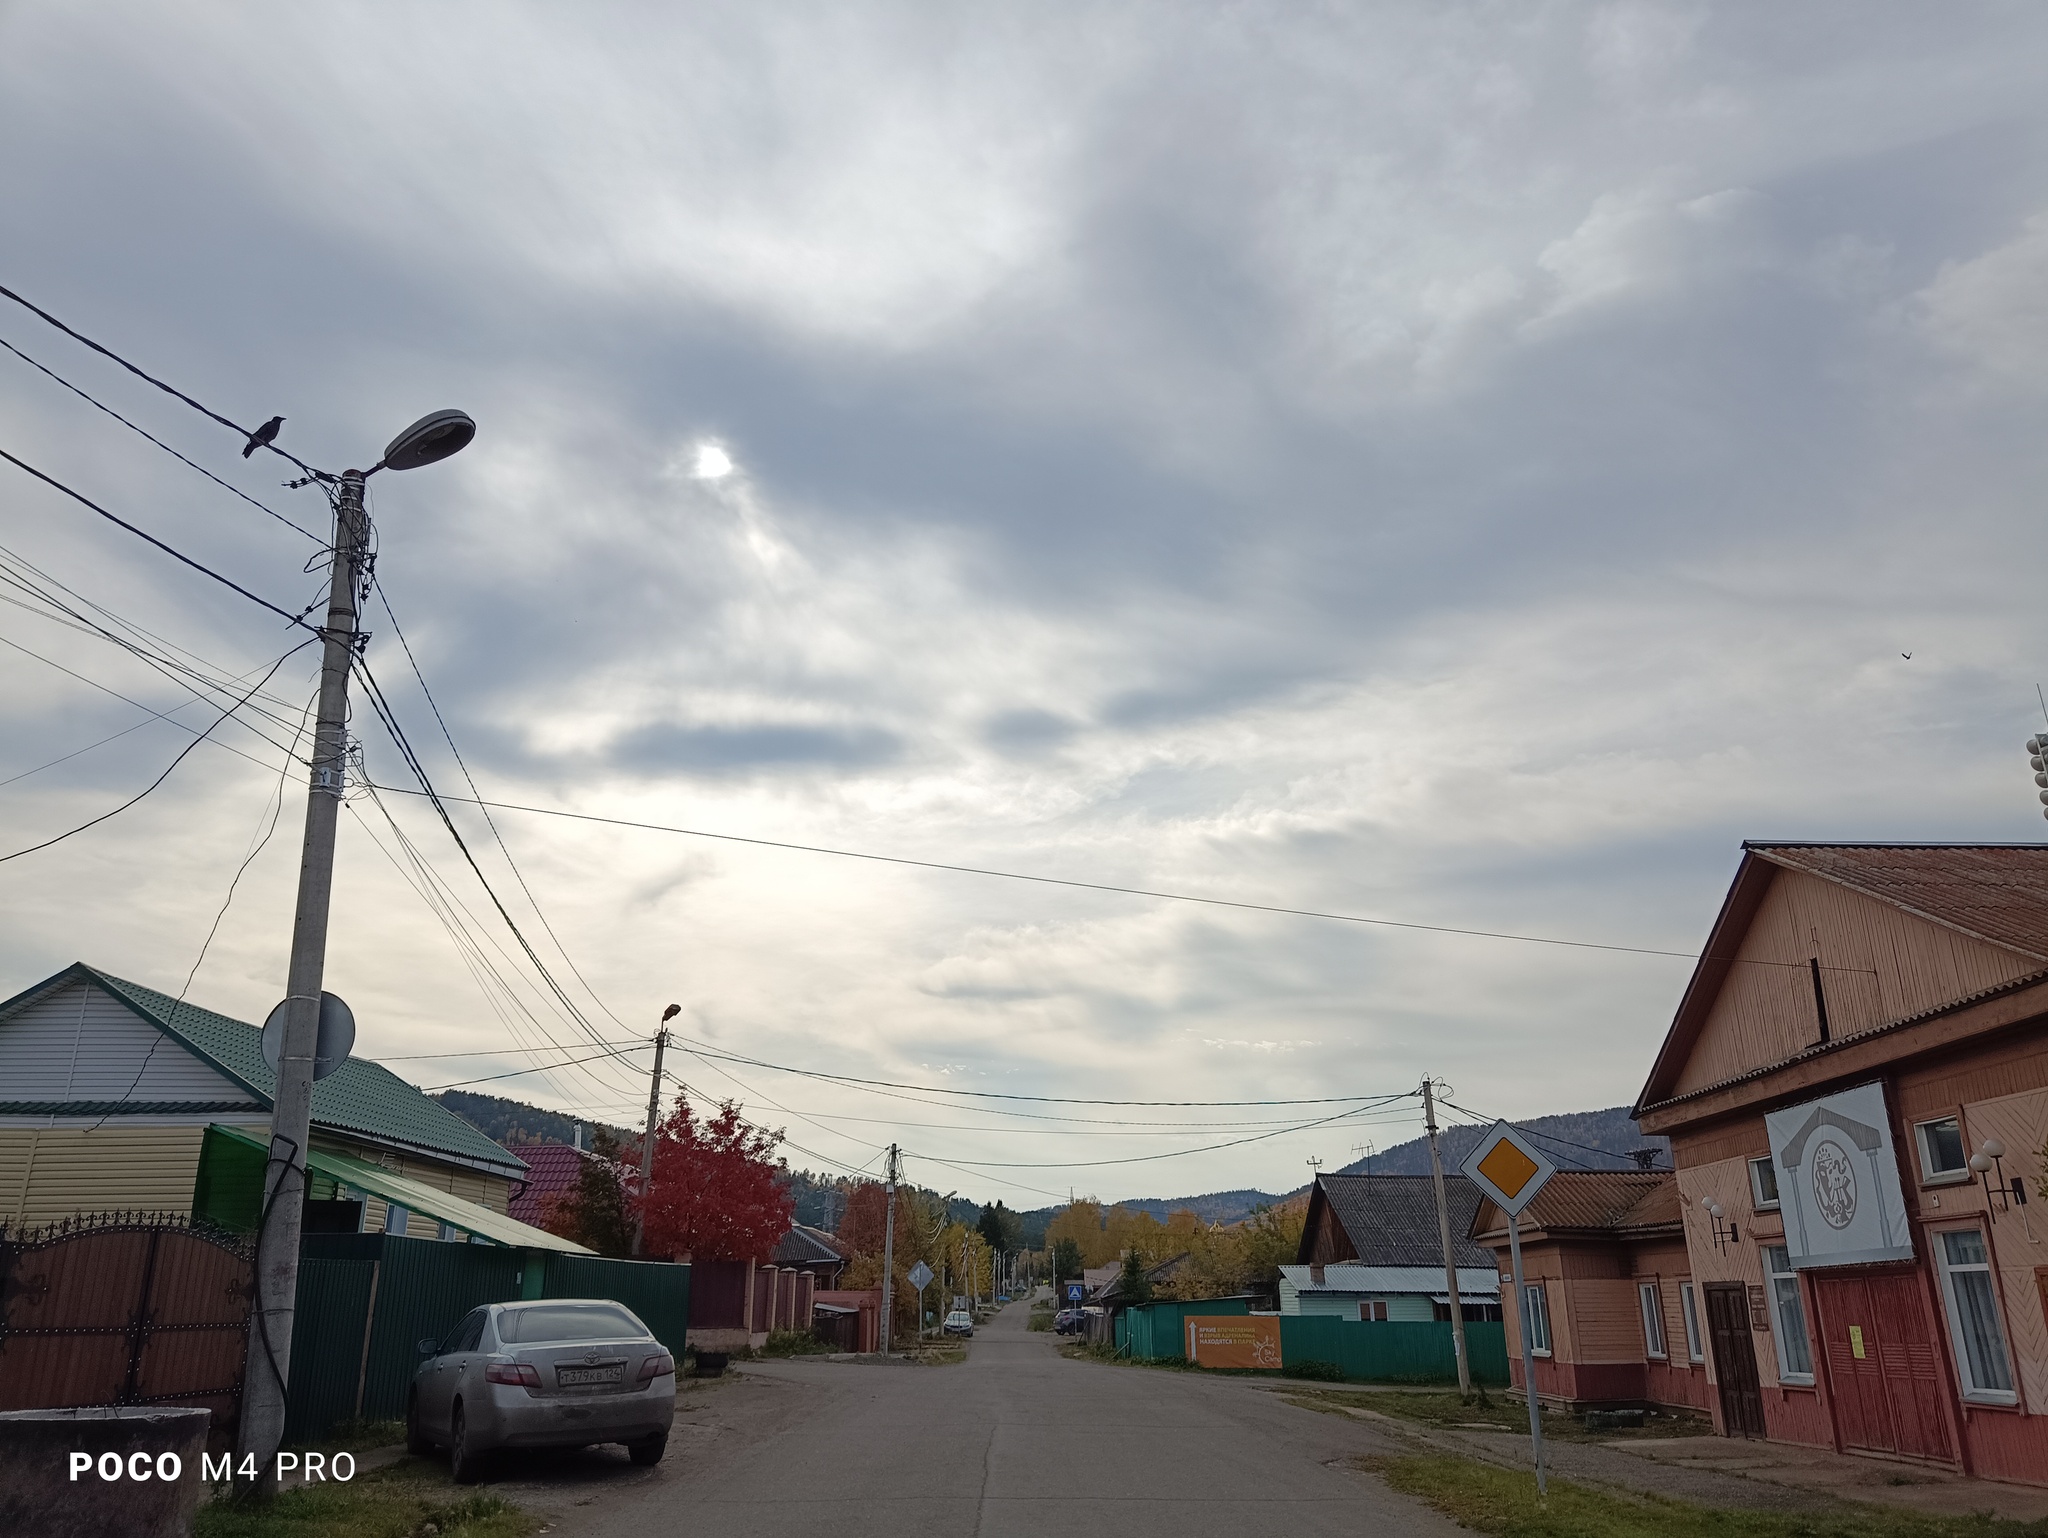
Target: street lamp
267	1375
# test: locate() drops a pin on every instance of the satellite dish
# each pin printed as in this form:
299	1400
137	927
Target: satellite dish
434	436
337	1035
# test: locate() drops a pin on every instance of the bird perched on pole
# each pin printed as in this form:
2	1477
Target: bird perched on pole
262	437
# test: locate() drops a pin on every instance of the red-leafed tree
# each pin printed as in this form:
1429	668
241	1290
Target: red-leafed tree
715	1192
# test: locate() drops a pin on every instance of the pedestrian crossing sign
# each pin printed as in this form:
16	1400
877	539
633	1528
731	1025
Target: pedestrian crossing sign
1507	1167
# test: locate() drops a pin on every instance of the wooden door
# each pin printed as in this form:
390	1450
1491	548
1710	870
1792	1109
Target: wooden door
1742	1399
1884	1363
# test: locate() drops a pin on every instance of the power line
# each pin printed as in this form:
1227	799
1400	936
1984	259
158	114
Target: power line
1179	1153
1547	1137
698	1049
1126	891
205	411
153	784
110	411
198	566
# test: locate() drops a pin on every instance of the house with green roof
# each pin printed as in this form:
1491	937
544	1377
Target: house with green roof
116	1097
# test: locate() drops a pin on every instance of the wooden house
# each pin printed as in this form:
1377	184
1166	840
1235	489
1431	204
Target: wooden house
1614	1314
121	1098
1855	1086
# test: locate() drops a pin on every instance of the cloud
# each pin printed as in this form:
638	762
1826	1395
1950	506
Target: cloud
1460	466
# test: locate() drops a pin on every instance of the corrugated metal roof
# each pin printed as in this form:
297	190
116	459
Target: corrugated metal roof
552	1169
358	1096
1619	1202
804	1245
416	1196
1392	1219
1479	1283
1998	892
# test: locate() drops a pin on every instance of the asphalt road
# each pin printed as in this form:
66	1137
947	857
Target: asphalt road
1016	1440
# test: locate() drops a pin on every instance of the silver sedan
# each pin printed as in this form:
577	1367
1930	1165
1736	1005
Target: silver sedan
561	1372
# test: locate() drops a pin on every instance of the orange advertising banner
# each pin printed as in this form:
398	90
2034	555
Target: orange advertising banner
1233	1340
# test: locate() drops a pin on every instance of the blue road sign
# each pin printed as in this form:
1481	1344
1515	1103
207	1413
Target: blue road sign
1076	1291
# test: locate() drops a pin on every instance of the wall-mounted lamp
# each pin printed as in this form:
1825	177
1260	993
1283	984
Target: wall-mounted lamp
2000	1195
1723	1234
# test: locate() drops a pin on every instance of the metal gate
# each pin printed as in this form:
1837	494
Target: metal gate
131	1308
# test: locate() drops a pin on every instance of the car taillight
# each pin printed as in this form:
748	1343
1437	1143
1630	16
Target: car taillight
514	1373
656	1366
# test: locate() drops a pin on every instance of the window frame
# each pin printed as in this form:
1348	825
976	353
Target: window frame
1689	1309
1772	1277
1757	1200
1923	1151
1536	1316
1650	1304
1372	1310
1988	1268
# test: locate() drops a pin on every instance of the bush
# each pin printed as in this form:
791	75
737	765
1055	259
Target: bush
1321	1372
794	1343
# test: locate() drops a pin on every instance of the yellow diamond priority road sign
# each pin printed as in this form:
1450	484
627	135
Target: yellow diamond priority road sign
1508	1168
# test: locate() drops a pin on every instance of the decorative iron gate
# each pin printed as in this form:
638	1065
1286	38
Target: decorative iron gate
132	1308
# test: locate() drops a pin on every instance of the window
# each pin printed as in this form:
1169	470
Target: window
1788	1317
1690	1306
1653	1320
1373	1310
1941	1150
1536	1315
1763	1184
466	1334
567	1321
1973	1316
394	1219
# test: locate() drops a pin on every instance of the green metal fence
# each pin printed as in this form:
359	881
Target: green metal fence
1389	1352
327	1345
1378	1352
1155	1330
394	1292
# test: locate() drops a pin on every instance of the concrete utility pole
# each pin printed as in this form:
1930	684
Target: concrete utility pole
653	1116
1443	1220
889	1251
291	1107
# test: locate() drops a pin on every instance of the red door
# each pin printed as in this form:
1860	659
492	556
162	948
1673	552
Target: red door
1884	1363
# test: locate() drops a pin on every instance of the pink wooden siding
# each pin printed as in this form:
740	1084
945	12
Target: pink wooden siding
1882	964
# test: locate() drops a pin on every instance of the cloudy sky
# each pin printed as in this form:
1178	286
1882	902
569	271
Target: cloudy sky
1464	464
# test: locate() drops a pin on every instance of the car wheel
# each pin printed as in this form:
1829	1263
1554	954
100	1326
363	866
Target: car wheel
465	1461
416	1439
647	1453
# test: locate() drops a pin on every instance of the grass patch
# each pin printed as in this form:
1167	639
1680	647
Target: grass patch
1504	1502
356	1436
795	1343
1446	1412
382	1505
1321	1372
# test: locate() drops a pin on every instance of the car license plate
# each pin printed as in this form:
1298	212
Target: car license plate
576	1377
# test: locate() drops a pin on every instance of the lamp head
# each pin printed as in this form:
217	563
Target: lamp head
433	437
670	1013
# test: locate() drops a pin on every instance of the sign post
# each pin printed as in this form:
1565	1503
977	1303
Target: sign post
1510	1170
920	1278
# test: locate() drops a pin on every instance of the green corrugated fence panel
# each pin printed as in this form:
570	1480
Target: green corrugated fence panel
1488	1343
1392	1352
327	1345
425	1287
655	1290
1159	1329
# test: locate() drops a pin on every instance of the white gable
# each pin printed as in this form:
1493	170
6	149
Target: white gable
81	1043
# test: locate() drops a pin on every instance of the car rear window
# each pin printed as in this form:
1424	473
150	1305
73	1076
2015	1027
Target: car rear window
573	1321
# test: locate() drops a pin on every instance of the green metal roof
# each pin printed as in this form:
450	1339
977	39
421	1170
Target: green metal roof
415	1196
358	1096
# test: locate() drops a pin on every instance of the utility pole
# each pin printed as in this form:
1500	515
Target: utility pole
1443	1220
647	1141
889	1251
291	1107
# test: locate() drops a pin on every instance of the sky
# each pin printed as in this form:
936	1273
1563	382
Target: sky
1469	465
